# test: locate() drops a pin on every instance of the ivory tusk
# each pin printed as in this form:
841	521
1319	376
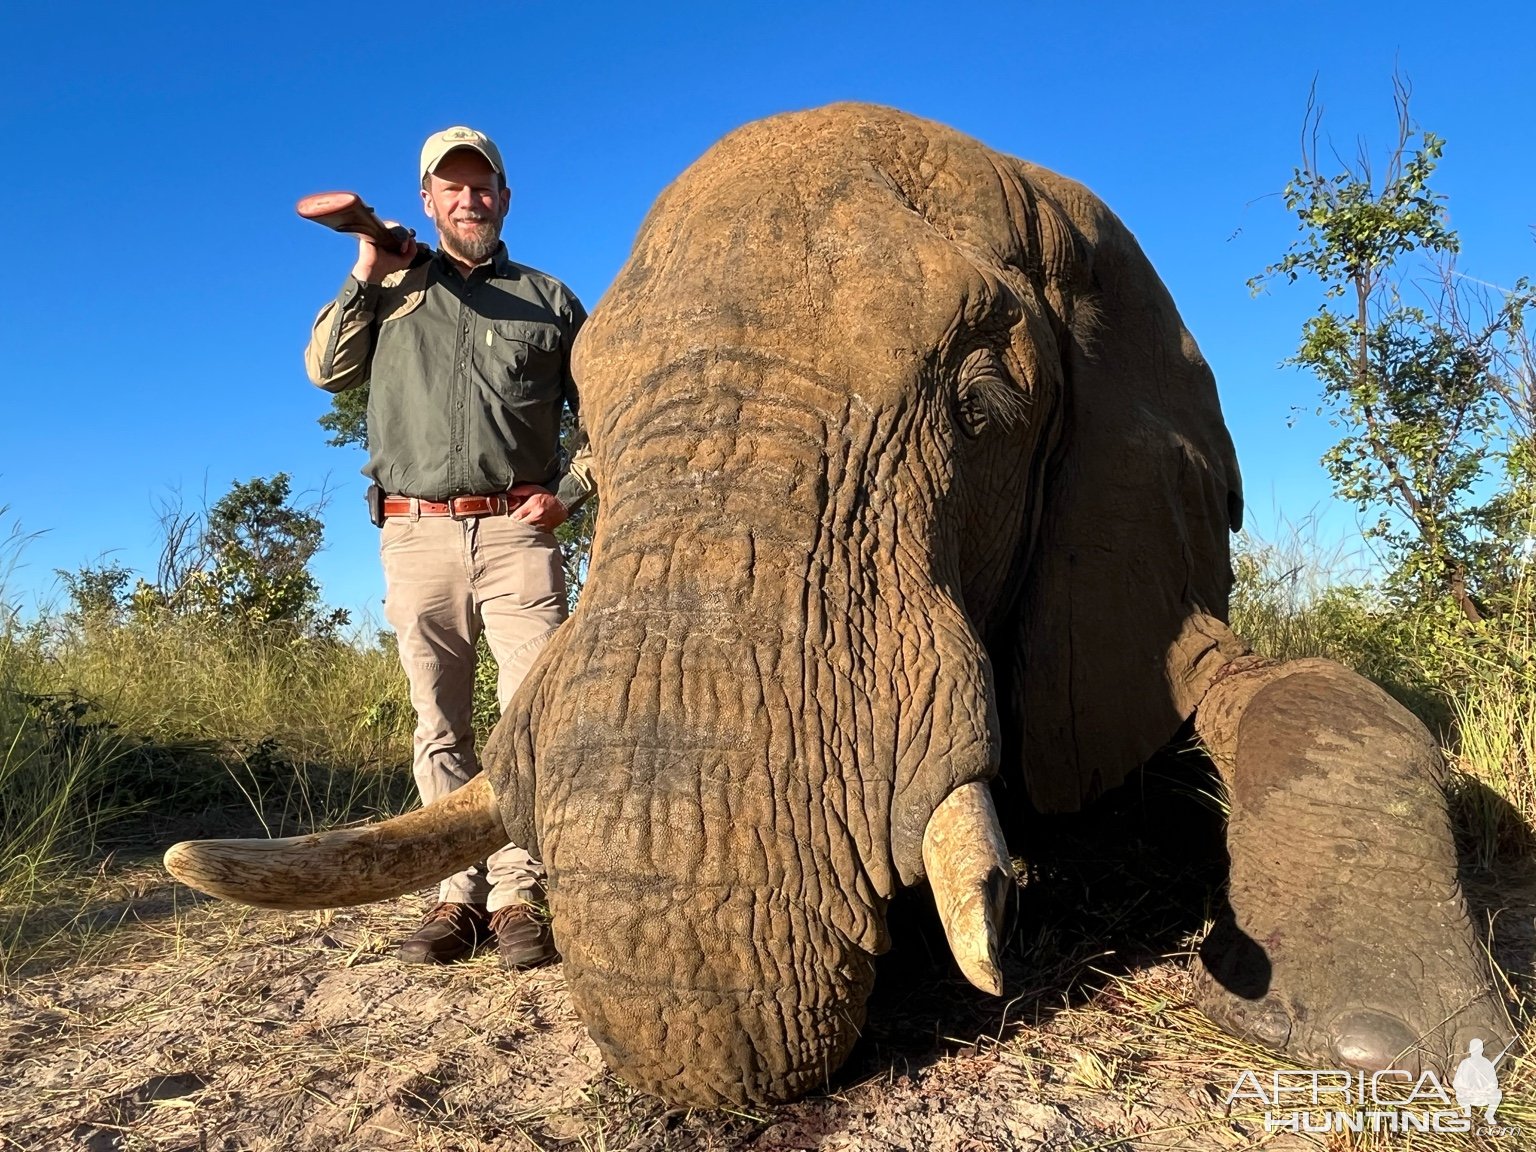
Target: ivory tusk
347	865
971	875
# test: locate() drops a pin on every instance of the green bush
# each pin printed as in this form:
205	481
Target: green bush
1473	683
1290	601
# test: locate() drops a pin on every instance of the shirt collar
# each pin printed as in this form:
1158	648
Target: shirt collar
505	268
500	263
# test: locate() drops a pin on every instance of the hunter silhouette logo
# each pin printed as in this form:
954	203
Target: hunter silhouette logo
1476	1082
1394	1100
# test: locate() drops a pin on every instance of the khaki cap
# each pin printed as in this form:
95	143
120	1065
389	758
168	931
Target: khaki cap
439	144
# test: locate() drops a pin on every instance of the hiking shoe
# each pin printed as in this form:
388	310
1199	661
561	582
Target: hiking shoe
523	938
448	932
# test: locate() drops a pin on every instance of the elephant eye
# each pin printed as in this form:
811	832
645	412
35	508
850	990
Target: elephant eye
986	397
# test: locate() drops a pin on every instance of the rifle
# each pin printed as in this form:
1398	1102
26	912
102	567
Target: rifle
346	212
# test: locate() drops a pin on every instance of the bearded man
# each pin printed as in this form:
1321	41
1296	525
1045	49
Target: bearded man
467	356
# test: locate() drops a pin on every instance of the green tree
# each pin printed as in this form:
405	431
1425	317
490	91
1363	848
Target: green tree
245	561
347	421
1436	429
259	547
98	593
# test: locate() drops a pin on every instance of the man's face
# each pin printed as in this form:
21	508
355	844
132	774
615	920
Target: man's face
465	199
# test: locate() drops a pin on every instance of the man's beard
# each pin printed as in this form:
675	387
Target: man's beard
472	245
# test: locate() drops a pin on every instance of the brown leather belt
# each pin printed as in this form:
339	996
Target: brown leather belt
496	504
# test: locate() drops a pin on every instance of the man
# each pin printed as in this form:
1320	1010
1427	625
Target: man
467	358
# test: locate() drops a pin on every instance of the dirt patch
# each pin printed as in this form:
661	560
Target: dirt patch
158	1020
221	1028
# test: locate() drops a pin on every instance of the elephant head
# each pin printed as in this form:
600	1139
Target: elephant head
909	473
823	396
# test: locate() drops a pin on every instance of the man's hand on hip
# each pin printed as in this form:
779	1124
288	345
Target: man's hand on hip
538	508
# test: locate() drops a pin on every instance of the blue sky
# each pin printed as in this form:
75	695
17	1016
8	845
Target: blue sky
161	288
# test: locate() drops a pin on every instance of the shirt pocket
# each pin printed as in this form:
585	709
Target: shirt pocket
525	357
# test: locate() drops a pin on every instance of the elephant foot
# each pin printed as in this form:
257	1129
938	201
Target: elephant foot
1347	942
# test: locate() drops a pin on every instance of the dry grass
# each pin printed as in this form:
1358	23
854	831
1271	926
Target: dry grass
198	1024
188	677
1495	742
135	1017
113	739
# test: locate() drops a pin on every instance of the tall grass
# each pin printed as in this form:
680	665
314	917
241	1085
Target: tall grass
116	735
50	777
1495	740
1474	685
191	677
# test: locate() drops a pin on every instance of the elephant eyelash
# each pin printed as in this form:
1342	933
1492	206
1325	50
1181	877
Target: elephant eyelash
987	396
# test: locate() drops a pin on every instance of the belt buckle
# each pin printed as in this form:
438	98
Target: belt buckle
453	510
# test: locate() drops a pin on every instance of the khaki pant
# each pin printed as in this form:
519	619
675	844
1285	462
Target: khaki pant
445	580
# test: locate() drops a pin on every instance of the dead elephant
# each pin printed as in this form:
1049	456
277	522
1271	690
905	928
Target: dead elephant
911	477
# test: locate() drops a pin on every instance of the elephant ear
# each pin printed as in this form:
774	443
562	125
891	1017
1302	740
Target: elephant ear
1117	634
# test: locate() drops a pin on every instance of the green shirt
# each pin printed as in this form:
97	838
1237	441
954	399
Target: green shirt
466	377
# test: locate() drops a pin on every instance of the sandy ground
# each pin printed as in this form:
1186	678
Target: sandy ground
165	1021
259	1030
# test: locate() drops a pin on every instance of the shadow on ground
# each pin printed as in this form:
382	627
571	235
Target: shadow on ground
1120	886
163	793
1123	886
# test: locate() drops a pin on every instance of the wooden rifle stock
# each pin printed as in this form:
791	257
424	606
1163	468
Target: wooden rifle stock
346	212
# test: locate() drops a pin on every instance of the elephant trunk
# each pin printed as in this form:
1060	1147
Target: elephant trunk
743	992
736	769
709	848
708	864
711	995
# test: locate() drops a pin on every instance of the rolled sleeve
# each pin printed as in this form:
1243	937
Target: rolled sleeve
577	484
341	343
